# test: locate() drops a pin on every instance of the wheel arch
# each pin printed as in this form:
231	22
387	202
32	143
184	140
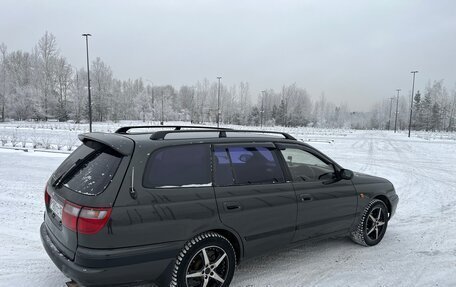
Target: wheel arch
386	201
234	240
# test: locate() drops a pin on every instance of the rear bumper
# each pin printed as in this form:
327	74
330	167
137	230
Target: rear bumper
115	266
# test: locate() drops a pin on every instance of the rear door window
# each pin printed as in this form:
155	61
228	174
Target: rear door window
239	165
223	173
179	166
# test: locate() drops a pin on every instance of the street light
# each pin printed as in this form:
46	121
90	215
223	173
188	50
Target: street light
218	103
162	115
88	80
397	106
152	99
411	101
391	109
262	108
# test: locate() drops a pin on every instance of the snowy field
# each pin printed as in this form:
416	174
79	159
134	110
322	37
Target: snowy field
419	248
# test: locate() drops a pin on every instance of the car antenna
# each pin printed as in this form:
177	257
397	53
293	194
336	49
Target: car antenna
132	187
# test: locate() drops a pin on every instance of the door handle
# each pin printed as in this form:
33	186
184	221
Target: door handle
232	205
305	197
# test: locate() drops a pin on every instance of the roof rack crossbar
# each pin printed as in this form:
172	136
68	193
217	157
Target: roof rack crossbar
123	130
285	135
160	135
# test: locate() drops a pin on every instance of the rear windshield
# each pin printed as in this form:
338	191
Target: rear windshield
89	170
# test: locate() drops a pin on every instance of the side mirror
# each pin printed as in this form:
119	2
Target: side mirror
346	174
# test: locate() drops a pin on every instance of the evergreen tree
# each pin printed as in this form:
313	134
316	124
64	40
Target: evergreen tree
282	114
426	110
417	121
436	117
254	117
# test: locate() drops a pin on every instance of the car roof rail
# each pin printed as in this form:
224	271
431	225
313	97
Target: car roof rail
222	133
124	130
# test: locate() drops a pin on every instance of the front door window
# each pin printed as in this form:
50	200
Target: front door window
305	166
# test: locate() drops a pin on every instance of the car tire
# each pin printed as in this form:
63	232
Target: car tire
372	226
208	259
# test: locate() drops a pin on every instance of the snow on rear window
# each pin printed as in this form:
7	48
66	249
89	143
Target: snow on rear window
95	173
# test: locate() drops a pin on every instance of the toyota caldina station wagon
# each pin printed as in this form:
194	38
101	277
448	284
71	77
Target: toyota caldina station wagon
182	206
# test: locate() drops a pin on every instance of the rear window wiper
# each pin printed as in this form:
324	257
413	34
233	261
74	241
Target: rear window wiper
58	181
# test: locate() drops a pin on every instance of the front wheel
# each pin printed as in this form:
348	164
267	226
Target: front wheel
373	223
207	260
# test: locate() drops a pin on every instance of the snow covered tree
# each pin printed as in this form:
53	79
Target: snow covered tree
79	100
64	80
3	79
46	53
101	84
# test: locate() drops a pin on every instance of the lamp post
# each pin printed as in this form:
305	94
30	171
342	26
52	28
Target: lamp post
150	87
162	115
218	102
397	106
391	109
411	101
262	108
86	35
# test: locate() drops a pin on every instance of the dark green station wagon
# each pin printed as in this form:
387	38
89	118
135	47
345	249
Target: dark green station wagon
182	206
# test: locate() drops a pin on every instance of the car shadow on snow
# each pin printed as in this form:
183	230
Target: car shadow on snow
292	259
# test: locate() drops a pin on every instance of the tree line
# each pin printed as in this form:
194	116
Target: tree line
434	109
42	85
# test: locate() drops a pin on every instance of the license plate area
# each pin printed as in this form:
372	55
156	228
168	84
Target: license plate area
56	209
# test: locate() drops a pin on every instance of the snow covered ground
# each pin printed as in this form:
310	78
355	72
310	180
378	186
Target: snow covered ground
419	248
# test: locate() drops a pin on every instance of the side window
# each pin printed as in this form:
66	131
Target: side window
305	166
178	166
223	174
246	165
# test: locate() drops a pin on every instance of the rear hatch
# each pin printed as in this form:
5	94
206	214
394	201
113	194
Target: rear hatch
81	192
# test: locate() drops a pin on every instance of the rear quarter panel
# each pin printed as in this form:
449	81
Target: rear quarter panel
156	215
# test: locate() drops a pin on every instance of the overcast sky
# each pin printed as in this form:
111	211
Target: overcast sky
355	52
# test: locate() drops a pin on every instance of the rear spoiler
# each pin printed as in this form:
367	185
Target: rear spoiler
117	142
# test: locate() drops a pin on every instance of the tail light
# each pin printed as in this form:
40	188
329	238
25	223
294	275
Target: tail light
70	215
92	220
85	220
47	197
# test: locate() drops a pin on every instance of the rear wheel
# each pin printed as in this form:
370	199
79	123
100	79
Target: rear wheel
373	224
207	260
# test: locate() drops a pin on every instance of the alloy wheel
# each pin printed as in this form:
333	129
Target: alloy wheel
375	223
208	268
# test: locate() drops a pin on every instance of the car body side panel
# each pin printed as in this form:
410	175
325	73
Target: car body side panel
162	215
329	208
326	206
370	187
266	216
156	215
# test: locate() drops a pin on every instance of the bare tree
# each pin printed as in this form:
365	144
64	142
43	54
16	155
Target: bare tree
102	84
64	74
3	51
47	53
79	96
